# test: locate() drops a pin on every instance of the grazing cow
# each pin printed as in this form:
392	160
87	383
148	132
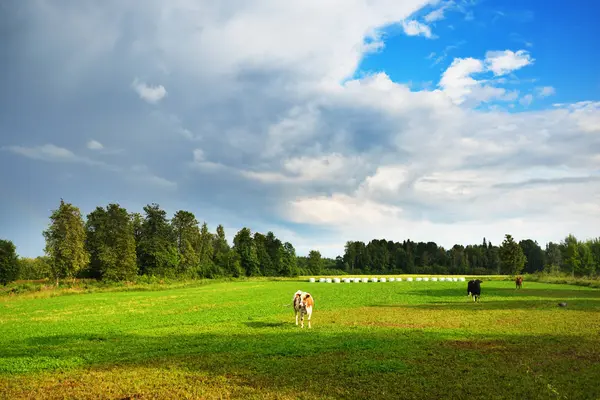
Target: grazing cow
303	304
474	289
519	282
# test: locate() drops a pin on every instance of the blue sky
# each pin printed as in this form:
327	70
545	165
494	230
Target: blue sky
556	36
321	121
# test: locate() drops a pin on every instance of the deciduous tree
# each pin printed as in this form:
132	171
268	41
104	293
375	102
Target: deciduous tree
187	237
243	244
9	262
110	240
65	242
157	248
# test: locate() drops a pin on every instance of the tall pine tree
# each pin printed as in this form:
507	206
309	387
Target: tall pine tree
512	258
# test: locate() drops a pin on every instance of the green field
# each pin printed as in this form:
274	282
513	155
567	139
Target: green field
407	340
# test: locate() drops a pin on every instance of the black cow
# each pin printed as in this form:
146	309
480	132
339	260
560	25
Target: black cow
474	289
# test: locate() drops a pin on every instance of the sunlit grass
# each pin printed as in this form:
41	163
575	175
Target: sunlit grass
369	340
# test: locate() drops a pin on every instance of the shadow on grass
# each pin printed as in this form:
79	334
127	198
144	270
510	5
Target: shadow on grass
360	363
261	324
486	304
494	294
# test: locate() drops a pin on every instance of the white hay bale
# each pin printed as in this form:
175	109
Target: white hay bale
322	280
328	280
398	279
454	279
383	280
336	280
462	279
357	280
364	280
419	279
442	279
391	279
409	279
434	279
311	280
426	279
373	279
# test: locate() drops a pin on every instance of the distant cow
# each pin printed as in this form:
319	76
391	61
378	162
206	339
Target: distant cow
303	304
519	282
474	289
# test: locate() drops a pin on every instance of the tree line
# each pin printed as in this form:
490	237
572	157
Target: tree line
113	244
570	256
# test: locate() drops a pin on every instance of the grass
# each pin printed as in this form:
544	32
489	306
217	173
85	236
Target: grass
397	340
564	279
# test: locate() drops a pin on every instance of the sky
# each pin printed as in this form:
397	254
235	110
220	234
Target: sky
320	120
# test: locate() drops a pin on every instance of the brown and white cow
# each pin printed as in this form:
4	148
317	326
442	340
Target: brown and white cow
519	282
303	304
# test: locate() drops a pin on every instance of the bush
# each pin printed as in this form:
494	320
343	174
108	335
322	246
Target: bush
34	268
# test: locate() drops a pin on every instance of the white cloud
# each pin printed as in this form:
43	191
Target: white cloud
458	83
388	180
504	62
151	94
416	28
47	152
325	168
341	210
94	145
435	15
545	91
587	115
526	100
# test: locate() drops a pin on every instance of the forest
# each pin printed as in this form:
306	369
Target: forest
113	244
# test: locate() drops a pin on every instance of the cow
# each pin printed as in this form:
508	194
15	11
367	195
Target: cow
303	304
474	289
519	282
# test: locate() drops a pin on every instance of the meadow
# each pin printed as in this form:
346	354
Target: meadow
393	340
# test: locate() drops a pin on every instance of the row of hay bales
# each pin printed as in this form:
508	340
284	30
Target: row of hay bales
409	279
